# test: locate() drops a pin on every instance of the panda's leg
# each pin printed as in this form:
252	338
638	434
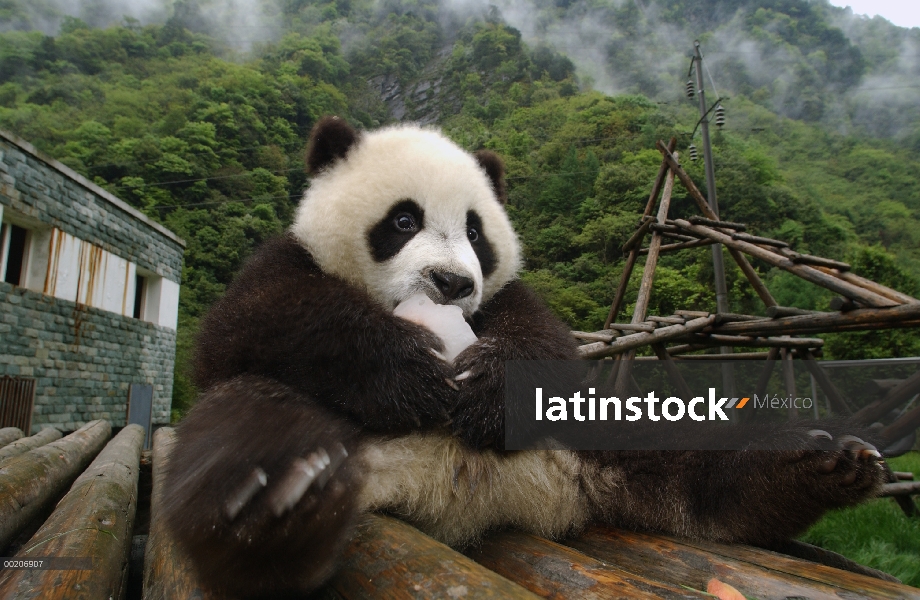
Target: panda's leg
759	497
261	488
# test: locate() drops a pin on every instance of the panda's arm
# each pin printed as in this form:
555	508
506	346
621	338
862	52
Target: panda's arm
514	324
286	320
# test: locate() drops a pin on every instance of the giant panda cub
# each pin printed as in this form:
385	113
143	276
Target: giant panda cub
356	364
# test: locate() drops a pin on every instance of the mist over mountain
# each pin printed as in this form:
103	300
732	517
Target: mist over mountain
803	59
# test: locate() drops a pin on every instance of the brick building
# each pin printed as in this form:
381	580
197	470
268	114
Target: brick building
89	294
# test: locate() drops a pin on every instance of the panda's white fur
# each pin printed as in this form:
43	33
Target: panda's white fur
455	494
352	195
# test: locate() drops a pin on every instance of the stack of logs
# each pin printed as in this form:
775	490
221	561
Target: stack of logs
85	501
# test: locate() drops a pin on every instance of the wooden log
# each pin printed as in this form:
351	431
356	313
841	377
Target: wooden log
688	184
764	577
646	327
753	278
789	380
637	340
899	297
817	261
893	399
692	314
904	426
864	318
594	337
805	272
636	238
756	239
673	373
31	482
716	339
95	519
620	293
168	572
761	388
775	312
732	356
733	317
648	277
696	220
844	304
838	402
684	348
819	565
8	435
905	488
45	436
696	243
903	475
651	261
551	570
390	559
667	320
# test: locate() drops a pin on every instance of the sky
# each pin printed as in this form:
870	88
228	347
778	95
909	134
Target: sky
905	13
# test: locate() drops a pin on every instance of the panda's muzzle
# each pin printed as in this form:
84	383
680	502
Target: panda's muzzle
451	285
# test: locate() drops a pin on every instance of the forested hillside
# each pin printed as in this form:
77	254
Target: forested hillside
207	136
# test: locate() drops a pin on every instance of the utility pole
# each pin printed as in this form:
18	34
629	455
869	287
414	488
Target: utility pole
718	264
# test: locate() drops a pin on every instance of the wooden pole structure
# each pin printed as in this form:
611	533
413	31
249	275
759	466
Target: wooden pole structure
701	203
789	380
673	373
894	398
95	519
634	252
648	278
31	482
837	400
805	272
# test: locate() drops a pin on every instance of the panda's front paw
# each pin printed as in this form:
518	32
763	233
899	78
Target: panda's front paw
478	416
844	467
301	483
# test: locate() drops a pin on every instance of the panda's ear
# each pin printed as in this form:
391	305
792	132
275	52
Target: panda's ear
495	169
330	141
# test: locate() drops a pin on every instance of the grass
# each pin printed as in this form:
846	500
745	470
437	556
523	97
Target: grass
876	534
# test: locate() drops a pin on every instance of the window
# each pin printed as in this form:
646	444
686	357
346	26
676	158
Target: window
140	293
15	243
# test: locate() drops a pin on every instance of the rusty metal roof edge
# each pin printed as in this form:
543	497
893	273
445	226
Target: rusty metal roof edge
94	188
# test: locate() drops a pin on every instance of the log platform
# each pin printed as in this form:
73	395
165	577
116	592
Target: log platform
100	518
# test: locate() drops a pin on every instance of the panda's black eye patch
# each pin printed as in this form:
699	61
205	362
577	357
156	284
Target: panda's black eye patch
392	232
481	245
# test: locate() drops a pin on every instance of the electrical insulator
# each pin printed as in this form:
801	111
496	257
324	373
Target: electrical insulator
693	153
720	116
691	89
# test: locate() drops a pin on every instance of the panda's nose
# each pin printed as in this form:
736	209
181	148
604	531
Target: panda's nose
453	286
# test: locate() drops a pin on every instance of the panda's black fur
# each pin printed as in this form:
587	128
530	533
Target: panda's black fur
294	359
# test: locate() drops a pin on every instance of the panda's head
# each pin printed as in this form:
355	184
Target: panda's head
404	210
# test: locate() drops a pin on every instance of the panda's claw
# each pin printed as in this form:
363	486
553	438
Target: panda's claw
253	484
299	478
465	375
859	448
820	433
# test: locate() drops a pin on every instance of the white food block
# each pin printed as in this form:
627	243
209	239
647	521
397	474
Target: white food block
444	320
